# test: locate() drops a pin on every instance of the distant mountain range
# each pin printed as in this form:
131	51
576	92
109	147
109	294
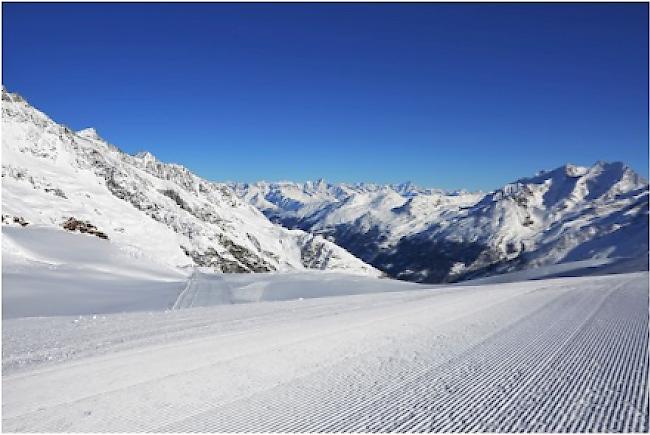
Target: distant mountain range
166	213
568	214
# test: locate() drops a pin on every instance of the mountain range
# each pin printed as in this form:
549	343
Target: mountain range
76	181
571	213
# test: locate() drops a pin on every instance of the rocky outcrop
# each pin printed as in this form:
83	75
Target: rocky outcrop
73	224
19	220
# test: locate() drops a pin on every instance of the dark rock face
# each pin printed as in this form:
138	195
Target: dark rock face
419	259
73	224
365	245
211	258
56	191
249	260
416	258
6	219
172	194
244	264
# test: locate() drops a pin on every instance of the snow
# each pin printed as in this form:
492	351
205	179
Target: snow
572	268
206	288
323	205
567	354
50	272
47	272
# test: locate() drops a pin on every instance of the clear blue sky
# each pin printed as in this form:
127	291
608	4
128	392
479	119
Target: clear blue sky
445	95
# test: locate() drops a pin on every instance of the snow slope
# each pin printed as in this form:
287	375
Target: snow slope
49	272
569	214
560	355
157	211
206	289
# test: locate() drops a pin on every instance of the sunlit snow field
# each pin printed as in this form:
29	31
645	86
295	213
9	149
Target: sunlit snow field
95	339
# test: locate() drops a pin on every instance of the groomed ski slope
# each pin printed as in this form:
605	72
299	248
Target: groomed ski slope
567	354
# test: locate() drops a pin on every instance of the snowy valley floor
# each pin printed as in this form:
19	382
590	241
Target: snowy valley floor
567	354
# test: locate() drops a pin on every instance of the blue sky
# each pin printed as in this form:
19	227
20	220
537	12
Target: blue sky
445	95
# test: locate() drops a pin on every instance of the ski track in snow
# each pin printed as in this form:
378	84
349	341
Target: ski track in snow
559	355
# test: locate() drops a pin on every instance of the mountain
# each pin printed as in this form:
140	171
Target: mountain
76	181
565	215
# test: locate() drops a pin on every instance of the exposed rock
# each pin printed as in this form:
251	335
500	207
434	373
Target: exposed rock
6	219
56	191
73	224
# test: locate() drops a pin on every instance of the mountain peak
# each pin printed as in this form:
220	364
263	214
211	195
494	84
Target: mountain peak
609	166
11	96
146	156
90	133
574	170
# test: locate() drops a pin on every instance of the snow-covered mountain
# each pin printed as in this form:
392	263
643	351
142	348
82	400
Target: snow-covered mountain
571	213
53	176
